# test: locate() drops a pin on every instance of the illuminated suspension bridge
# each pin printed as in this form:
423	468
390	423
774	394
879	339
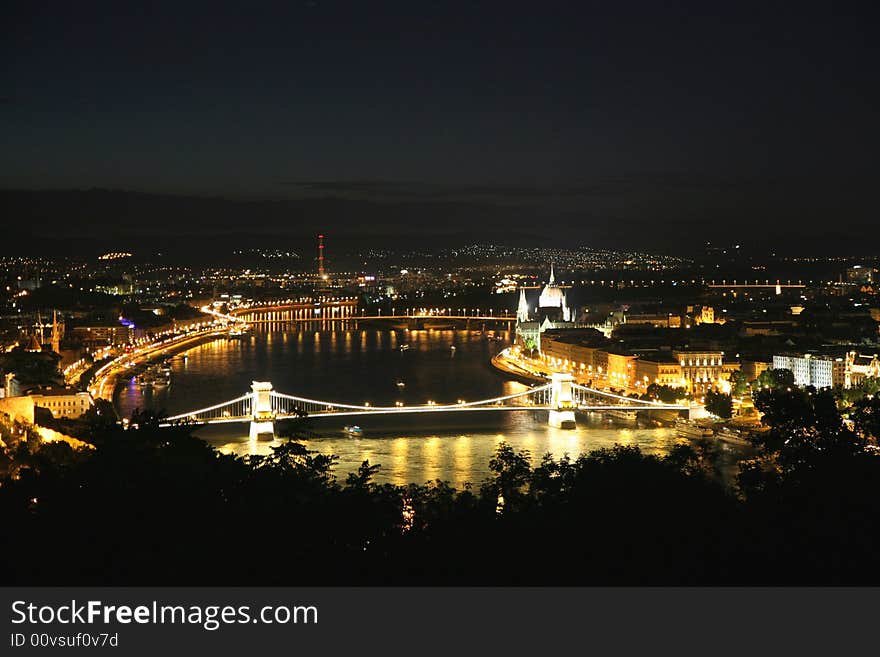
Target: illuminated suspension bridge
561	397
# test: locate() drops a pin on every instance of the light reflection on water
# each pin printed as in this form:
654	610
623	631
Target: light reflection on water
357	365
456	453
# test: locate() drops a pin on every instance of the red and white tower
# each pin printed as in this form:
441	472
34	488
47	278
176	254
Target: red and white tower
321	275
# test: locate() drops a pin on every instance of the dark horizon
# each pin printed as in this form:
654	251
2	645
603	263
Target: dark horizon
96	220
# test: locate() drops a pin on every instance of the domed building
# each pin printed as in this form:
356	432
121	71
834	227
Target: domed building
552	302
551	312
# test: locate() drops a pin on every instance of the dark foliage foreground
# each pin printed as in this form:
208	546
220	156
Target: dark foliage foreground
155	507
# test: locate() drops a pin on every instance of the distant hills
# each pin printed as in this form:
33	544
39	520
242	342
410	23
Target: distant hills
629	217
96	220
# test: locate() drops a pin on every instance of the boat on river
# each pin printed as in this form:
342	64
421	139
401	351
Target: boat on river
732	436
353	430
688	429
621	414
156	375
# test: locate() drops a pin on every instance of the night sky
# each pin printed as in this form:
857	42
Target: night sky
602	120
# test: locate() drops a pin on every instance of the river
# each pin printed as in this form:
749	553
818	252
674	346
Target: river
357	365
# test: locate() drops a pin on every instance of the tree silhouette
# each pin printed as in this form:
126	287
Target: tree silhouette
775	379
164	507
719	404
739	384
866	417
666	394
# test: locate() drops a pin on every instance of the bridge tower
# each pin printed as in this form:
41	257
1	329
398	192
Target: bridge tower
561	401
697	412
262	416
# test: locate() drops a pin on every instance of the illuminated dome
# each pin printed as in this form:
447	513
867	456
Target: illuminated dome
552	296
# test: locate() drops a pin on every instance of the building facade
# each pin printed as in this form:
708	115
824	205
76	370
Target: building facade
579	352
621	370
701	370
586	354
658	368
95	336
62	402
814	370
860	367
